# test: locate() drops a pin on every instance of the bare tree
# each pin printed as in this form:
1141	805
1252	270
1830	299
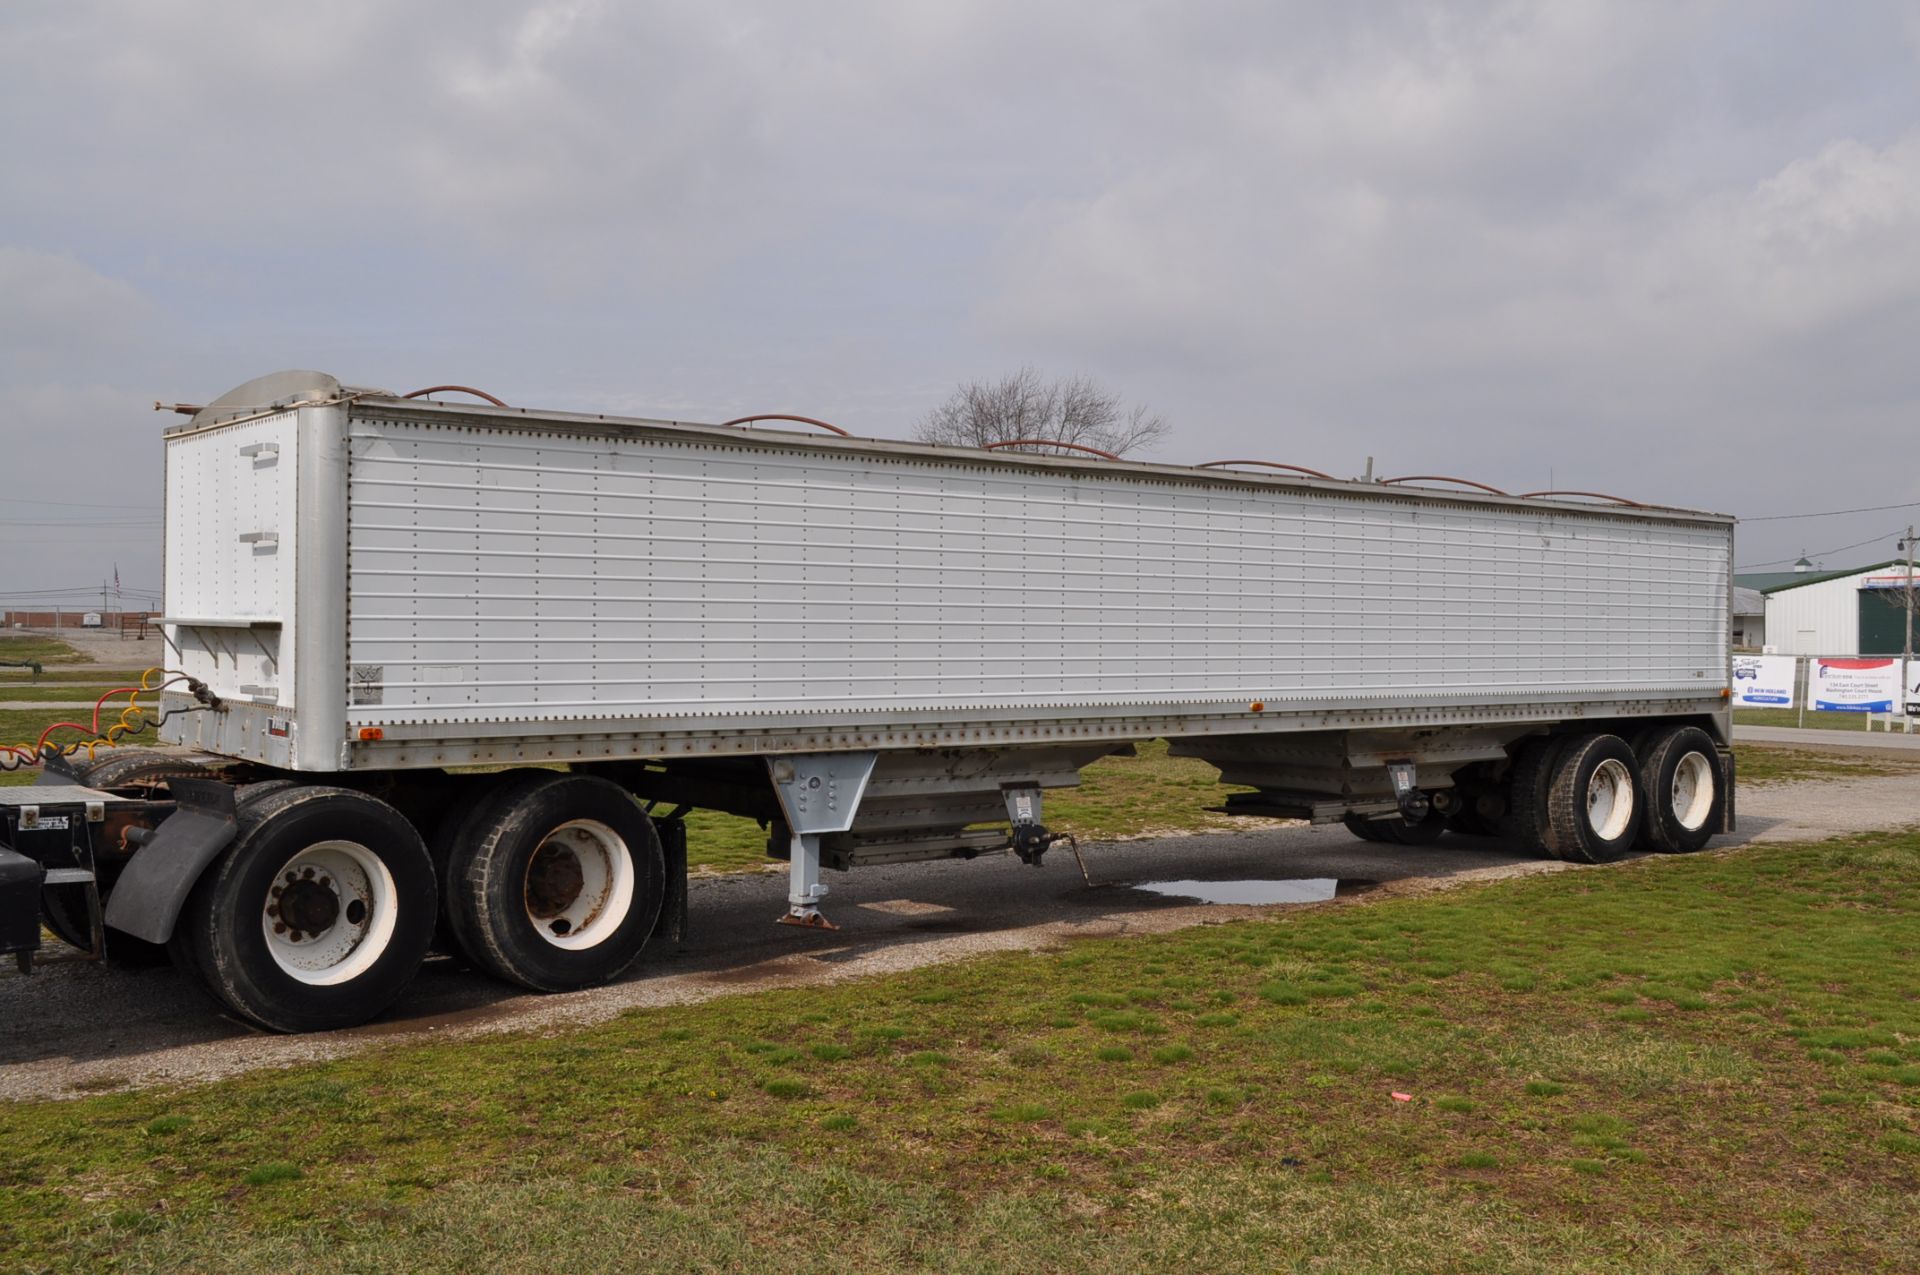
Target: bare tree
1022	405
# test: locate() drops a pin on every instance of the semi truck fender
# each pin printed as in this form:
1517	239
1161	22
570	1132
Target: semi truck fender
153	887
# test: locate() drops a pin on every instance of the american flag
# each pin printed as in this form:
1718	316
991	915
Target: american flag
116	579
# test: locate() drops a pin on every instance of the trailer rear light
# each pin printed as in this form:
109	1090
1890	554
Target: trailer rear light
371	734
1258	706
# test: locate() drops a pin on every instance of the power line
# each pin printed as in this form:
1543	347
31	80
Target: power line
1834	513
1821	553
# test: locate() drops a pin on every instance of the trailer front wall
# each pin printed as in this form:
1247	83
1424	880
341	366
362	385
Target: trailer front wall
501	575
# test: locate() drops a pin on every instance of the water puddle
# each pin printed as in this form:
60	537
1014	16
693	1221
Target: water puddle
1298	890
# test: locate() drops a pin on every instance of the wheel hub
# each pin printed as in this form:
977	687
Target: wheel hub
305	906
554	880
579	884
329	913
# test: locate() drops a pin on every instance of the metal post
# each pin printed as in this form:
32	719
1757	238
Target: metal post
1906	651
804	887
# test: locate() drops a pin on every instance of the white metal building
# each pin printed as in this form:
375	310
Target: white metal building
1856	612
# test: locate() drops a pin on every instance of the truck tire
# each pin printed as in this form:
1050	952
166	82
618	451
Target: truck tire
1680	784
317	916
1397	831
556	883
1525	823
1471	823
63	908
140	768
1593	802
456	823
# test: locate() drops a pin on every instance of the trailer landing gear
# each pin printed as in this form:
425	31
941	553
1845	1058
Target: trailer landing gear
819	793
805	889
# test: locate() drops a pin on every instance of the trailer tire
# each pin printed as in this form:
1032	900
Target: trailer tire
456	822
1525	823
1397	831
1471	823
138	768
1593	803
1681	787
365	892
556	883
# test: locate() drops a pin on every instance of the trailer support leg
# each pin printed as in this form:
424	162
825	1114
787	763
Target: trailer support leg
805	889
819	793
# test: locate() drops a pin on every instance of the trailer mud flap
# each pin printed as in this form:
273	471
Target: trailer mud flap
153	887
1727	769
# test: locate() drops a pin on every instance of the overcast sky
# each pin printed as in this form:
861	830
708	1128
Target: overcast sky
1669	250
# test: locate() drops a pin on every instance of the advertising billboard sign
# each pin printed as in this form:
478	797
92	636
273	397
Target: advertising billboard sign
1853	685
1764	681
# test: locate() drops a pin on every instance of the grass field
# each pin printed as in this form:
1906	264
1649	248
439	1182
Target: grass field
1705	1063
90	689
25	647
1794	717
1759	766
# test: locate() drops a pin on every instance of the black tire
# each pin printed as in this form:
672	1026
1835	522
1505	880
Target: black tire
222	934
1594	777
143	769
63	910
1683	790
1396	831
523	900
1525	823
1471	823
479	799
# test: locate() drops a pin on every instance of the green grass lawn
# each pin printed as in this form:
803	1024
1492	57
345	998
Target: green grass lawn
1813	720
92	688
1758	766
28	647
1703	1063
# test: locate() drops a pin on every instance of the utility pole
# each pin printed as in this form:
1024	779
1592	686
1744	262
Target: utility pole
1906	652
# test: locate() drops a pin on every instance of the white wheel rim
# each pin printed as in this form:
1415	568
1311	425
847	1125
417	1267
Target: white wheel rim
330	913
1692	791
579	886
1609	800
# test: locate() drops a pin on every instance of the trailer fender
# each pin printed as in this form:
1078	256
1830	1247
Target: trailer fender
152	888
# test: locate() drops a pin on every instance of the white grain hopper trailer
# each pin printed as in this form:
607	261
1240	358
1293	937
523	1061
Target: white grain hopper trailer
885	651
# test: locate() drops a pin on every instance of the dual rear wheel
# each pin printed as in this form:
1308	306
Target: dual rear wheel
322	909
1593	798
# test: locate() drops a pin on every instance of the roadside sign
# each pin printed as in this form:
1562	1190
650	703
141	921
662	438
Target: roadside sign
1853	685
1765	681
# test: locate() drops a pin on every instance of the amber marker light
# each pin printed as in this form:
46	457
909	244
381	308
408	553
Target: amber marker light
369	734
